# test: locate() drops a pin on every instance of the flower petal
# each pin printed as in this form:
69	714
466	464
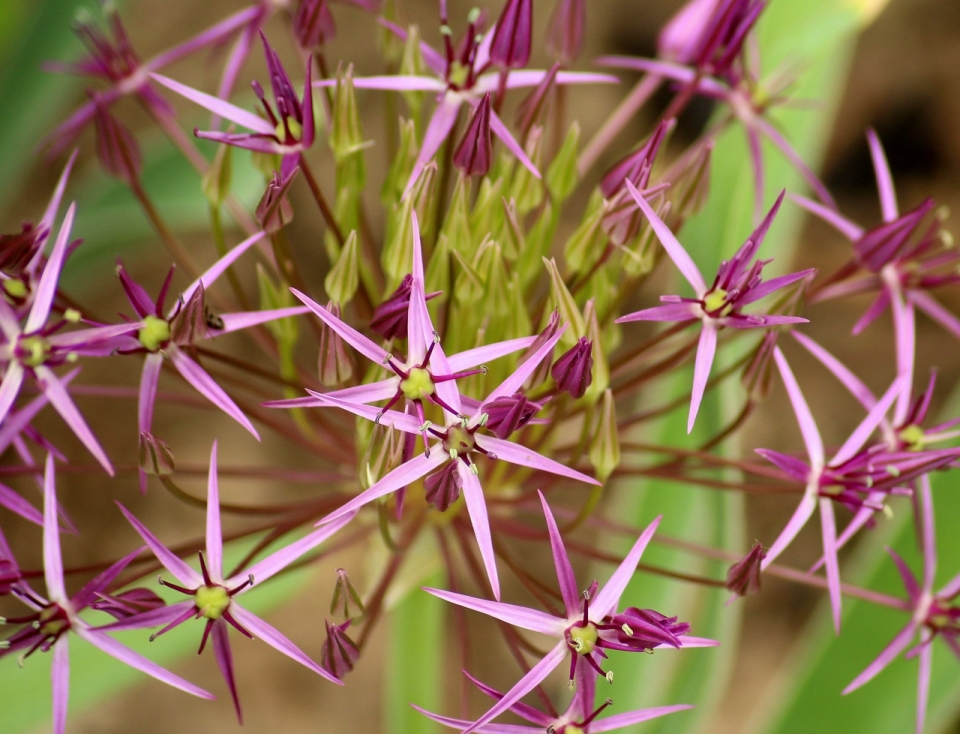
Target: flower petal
706	351
671	312
523	617
888	194
800	516
389	418
461	724
480	355
47	287
561	561
523	456
224	655
218	268
932	308
500	130
246	319
519	376
854	384
808	427
60	680
10	388
923	685
844	226
898	645
399	83
606	601
206	386
438	130
17	504
828	525
171	562
214	530
52	559
154	618
619	721
868	425
477	509
217	106
352	337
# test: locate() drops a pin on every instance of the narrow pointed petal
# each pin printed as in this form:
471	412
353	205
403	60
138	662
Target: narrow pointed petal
619	721
477	509
888	194
60	680
224	656
520	709
928	539
480	355
891	651
47	287
828	525
808	427
609	597
904	329
390	418
146	400
52	559
399	83
206	386
670	243
794	158
135	660
461	724
868	425
844	226
218	268
923	685
183	573
90	337
60	399
701	371
932	308
800	516
352	337
876	308
160	617
774	284
369	393
10	387
523	617
531	680
523	456
438	130
419	326
246	319
671	312
9	323
854	384
13	424
561	561
217	106
50	214
273	637
515	381
17	504
214	530
500	130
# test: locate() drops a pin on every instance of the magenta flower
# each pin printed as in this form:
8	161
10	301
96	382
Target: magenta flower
580	716
932	614
591	625
738	283
462	78
53	617
161	335
213	597
903	257
286	127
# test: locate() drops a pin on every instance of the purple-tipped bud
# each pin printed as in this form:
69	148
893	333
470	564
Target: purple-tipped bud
513	35
16	250
532	106
443	486
274	211
508	414
543	369
345	594
117	149
637	165
155	456
743	578
390	317
314	24
565	37
190	324
573	371
645	629
475	152
9	575
128	603
340	653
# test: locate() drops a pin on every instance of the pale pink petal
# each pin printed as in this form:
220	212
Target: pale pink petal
668	69
923	685
519	376
432	58
50	214
828	525
523	456
876	308
154	618
13	423
52	559
9	323
389	418
904	328
891	651
932	308
60	680
774	284
206	386
692	641
399	83
561	561
520	78
171	562
928	539
407	472
868	425
850	381
218	269
17	504
214	531
685	311
808	427
249	141
800	516
352	337
147	397
47	287
369	393
670	243
526	684
795	159
481	355
135	660
606	601
420	330
461	724
244	320
276	562
238	56
477	510
438	130
844	226
500	130
618	721
10	387
523	617
277	640
888	194
92	336
860	519
217	106
706	351
62	402
287	403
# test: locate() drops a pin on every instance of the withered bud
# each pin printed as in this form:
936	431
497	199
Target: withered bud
190	323
274	211
16	250
743	578
340	653
334	363
156	458
443	486
128	603
345	595
757	377
573	370
508	414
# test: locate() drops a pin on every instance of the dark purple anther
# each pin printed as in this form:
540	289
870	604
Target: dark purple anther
743	578
573	371
128	603
117	149
513	35
443	486
340	653
475	152
508	414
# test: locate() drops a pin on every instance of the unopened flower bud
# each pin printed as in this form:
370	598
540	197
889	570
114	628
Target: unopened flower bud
743	578
508	414
117	149
513	35
531	108
155	456
340	653
344	277
313	24
636	166
16	250
128	603
345	594
190	323
644	629
334	364
565	36
443	486
573	370
562	175
475	152
382	455
605	446
274	211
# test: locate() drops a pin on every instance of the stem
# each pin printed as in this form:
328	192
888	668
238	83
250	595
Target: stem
625	111
173	245
325	210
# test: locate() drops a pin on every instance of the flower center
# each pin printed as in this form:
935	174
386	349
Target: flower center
459	441
211	601
295	128
458	74
15	288
154	333
418	384
715	303
53	621
583	639
914	437
33	350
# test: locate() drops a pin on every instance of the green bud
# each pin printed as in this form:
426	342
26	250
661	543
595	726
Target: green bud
391	47
469	285
402	165
605	447
527	189
456	226
398	247
382	454
538	241
586	244
345	591
494	273
437	277
342	280
487	215
601	368
346	137
561	300
412	64
518	319
274	296
513	239
216	181
334	364
156	458
562	176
